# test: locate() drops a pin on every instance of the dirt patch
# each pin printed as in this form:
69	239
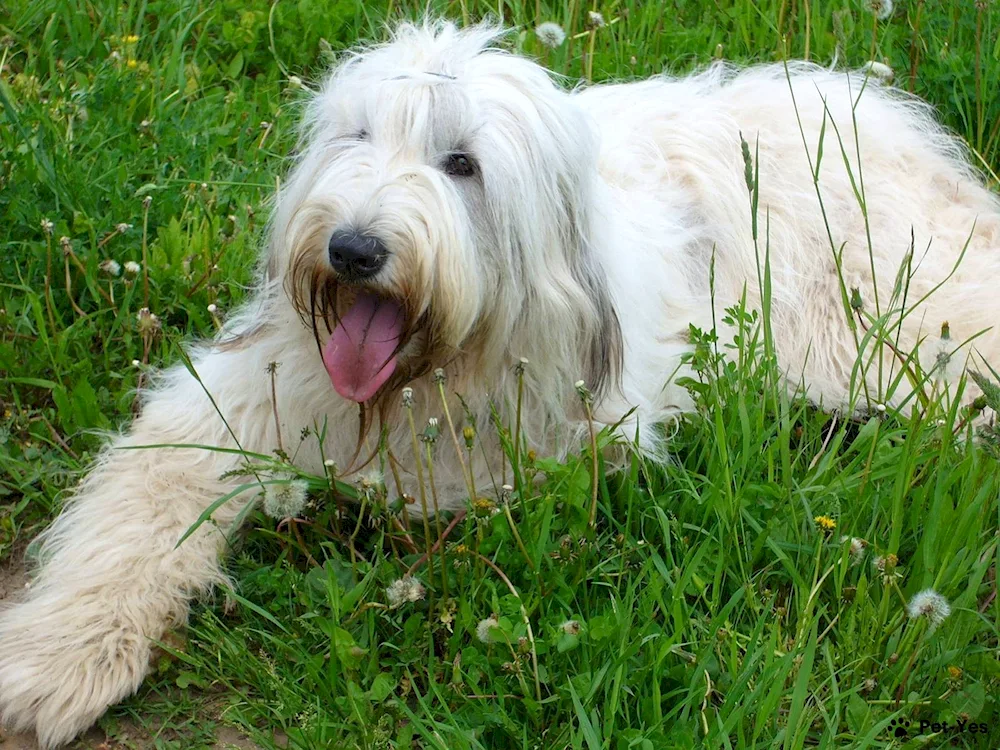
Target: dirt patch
13	575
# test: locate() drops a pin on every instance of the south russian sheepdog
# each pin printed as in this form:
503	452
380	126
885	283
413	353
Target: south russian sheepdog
452	208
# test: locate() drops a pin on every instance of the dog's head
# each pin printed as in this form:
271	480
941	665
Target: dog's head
440	213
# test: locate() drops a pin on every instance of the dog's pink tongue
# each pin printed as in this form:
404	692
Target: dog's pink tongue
360	355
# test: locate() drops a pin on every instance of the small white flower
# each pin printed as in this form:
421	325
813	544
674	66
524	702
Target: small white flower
571	627
405	589
213	309
329	463
285	500
111	267
132	268
880	408
407	394
295	82
122	227
484	627
881	8
136	363
579	384
595	20
550	34
878	70
930	604
47	226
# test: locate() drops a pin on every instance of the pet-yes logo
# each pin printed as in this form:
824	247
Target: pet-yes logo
901	729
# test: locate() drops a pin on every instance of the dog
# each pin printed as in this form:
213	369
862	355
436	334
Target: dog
456	222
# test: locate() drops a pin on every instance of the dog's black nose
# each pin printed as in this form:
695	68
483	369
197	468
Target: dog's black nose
356	256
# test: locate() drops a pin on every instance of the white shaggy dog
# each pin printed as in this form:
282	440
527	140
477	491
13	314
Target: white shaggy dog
451	207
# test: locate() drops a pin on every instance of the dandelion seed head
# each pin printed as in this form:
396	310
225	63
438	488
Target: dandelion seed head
111	267
856	548
881	8
285	500
122	227
213	308
595	20
403	590
47	226
132	268
930	604
484	627
878	70
550	34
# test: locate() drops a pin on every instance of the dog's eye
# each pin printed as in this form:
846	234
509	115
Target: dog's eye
459	165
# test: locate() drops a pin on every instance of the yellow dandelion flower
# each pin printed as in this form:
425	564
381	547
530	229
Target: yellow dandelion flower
131	39
132	63
825	523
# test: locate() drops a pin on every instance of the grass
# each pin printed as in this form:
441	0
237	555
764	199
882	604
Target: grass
710	603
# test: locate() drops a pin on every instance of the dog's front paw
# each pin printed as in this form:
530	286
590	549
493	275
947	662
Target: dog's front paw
63	661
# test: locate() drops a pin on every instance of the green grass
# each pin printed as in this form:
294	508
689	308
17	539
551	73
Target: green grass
710	608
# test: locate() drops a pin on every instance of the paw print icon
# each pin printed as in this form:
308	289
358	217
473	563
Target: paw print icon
899	728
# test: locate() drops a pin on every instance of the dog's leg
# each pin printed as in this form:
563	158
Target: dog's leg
112	577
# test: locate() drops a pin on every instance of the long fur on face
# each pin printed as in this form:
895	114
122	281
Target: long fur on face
486	266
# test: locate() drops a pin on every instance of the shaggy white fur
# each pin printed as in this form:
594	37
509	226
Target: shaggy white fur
507	218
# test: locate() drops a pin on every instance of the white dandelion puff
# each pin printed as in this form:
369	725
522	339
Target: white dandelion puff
930	604
856	548
878	70
595	20
881	8
111	267
132	268
285	500
484	627
550	34
403	590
